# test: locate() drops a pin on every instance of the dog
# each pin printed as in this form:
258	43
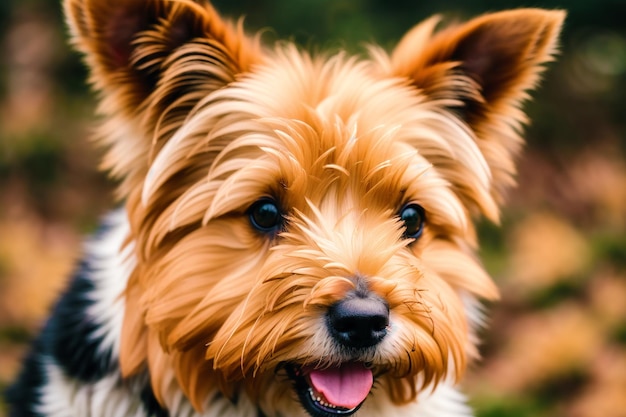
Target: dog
296	233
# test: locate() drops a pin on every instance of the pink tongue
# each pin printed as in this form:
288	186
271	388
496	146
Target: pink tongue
345	386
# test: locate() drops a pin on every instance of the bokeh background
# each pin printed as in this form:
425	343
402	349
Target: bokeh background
556	345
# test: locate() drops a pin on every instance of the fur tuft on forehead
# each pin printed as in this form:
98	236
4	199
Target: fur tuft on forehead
373	132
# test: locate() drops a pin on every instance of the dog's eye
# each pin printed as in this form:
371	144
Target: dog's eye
412	215
265	215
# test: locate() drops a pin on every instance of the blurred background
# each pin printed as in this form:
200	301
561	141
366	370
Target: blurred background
556	345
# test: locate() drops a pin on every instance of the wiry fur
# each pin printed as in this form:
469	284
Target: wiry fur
201	122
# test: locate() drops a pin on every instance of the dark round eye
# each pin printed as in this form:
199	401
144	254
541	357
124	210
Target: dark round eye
412	215
265	215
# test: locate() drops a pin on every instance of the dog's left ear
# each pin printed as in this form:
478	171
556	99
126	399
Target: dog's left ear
482	70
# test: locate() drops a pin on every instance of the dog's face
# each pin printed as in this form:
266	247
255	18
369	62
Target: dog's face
302	225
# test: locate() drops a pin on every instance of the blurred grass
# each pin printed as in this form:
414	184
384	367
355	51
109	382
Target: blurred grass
556	345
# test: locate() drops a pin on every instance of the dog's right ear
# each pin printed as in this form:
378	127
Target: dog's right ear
152	60
131	45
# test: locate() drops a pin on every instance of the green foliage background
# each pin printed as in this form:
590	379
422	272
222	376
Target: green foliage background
557	341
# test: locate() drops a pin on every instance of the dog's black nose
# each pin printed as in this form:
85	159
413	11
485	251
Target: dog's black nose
359	321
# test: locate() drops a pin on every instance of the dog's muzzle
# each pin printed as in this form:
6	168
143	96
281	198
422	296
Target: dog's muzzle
357	322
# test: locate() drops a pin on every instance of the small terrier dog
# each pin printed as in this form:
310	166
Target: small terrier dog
296	237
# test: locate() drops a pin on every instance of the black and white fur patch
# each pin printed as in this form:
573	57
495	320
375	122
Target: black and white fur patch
72	368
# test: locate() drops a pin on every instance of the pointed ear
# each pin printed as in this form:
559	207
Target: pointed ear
482	70
152	61
129	45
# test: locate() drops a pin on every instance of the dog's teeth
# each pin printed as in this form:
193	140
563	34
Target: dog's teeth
319	400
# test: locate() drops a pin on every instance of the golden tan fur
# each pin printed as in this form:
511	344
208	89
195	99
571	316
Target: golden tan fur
201	122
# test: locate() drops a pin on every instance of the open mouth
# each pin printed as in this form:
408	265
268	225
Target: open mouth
333	391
